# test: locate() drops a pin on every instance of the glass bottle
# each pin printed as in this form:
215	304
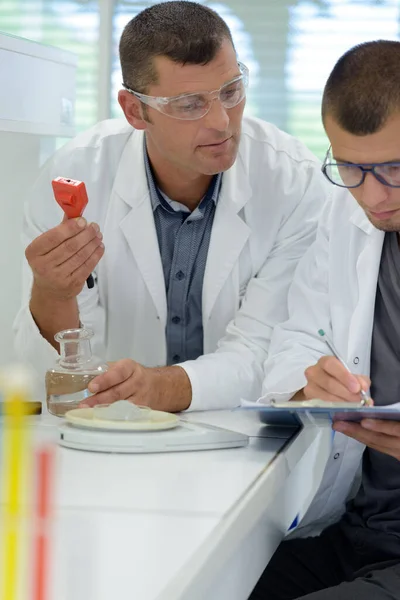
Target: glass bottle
67	380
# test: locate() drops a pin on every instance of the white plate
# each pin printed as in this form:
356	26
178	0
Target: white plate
158	420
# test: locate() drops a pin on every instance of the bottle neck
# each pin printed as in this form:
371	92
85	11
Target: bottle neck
75	352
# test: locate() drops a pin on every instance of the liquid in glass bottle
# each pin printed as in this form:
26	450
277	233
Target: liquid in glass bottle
67	381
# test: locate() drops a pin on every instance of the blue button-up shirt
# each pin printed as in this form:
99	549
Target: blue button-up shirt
183	238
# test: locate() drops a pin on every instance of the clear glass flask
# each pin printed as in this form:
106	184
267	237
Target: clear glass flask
68	379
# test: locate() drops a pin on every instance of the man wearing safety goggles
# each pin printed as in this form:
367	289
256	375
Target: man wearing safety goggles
195	223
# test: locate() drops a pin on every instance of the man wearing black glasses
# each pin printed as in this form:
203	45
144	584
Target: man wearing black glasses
195	223
349	285
352	175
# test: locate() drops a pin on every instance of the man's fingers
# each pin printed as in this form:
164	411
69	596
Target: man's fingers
48	241
330	389
74	244
365	382
329	380
314	391
335	369
127	390
377	441
80	275
81	257
118	373
118	392
391	428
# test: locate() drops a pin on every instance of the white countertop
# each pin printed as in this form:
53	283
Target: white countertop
178	526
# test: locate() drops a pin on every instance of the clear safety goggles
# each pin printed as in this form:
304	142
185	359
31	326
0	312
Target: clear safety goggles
197	105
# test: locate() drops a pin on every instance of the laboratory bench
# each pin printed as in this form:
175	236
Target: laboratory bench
197	525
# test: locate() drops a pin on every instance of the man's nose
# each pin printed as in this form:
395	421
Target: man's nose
217	117
373	192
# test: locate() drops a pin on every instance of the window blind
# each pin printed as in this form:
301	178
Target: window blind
290	47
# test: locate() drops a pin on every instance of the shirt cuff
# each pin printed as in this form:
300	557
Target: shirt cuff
195	403
277	396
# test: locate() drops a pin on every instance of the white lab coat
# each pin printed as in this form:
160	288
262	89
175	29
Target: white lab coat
265	219
334	289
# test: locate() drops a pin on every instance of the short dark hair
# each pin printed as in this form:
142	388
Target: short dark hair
186	32
363	90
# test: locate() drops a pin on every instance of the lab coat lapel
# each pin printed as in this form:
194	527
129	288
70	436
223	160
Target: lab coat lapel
229	234
138	225
367	271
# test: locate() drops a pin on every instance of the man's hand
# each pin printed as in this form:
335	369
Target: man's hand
62	258
383	436
164	388
329	380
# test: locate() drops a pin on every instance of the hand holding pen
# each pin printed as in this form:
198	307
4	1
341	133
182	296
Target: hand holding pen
331	380
365	400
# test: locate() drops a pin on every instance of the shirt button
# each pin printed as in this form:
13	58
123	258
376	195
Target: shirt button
180	275
176	358
176	320
336	455
356	360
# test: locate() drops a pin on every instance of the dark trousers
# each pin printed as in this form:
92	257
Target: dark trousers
342	563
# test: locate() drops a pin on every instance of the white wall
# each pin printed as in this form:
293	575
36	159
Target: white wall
20	156
36	106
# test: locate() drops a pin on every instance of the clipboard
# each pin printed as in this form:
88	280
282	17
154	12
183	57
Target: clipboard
292	414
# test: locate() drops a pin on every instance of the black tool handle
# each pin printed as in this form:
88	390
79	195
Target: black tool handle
90	282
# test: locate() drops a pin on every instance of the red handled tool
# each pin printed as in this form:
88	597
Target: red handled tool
71	195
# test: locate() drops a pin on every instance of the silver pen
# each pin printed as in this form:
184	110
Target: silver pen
365	399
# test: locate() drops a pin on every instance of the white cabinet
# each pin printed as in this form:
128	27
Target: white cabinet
37	101
38	88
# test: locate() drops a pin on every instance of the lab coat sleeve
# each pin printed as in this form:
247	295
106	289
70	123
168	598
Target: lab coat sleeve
295	343
41	214
235	371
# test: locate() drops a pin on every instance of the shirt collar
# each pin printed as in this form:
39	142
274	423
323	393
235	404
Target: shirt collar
157	198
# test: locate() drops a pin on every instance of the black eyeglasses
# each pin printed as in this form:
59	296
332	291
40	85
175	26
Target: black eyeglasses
350	175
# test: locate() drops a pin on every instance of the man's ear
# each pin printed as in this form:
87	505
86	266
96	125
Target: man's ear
132	109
